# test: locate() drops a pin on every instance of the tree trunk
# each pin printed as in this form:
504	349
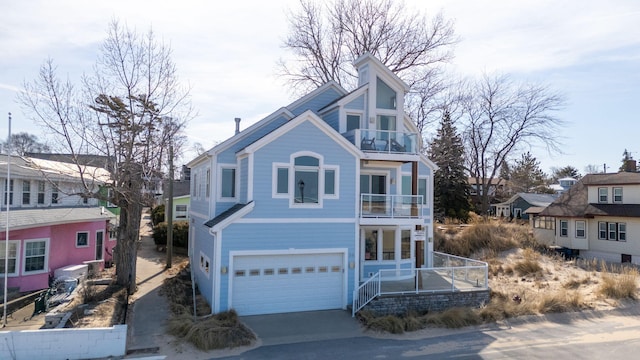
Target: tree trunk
128	246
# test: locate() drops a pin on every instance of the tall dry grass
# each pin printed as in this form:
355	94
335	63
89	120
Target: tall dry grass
619	282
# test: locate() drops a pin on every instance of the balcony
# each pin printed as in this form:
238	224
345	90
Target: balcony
391	206
383	141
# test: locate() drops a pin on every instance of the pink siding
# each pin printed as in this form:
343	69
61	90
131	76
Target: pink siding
62	250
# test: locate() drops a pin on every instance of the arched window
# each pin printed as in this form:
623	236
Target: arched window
306	180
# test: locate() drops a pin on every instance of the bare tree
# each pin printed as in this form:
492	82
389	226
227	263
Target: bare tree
500	117
129	110
325	39
22	143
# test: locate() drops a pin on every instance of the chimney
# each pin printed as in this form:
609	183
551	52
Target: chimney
237	125
630	165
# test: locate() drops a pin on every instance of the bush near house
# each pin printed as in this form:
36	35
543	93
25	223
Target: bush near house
180	234
157	214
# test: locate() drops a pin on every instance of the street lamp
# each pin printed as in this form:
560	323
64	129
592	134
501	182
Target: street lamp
301	186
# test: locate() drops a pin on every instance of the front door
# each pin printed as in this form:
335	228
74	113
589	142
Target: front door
99	244
419	253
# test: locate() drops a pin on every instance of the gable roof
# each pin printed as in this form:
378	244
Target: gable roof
20	219
367	57
535	199
574	202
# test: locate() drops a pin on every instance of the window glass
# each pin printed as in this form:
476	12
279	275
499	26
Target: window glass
406	185
602	230
353	122
306	161
282	186
228	183
330	182
306	186
580	229
388	245
617	194
613	231
208	181
34	258
40	192
622	232
385	97
406	244
82	239
365	186
13	257
564	228
371	245
10	192
602	195
54	193
422	189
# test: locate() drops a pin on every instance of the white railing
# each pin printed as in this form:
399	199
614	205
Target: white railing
391	206
454	274
384	141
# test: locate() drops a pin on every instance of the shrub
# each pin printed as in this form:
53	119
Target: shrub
180	234
527	267
157	214
619	286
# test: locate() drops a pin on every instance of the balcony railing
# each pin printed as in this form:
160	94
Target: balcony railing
390	206
449	274
384	141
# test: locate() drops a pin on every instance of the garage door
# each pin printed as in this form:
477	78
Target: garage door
267	284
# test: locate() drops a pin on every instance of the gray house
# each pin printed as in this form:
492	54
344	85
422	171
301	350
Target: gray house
519	203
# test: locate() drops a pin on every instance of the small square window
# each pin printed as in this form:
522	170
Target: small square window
82	239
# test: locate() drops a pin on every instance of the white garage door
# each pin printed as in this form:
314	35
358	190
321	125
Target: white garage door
267	284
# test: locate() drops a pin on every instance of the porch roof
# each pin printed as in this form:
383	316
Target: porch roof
225	215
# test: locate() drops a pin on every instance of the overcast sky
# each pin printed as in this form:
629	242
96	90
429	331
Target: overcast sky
588	50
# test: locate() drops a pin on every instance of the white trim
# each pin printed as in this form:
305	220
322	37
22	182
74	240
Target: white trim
45	268
344	252
18	257
343	118
250	174
203	263
88	240
297	221
292	179
217	263
195	214
220	167
274	180
236	217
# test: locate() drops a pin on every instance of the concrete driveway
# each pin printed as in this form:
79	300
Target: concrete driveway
289	328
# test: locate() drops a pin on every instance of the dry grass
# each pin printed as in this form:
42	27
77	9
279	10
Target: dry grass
222	330
523	280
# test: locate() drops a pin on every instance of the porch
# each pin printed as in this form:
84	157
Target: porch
450	274
384	141
391	206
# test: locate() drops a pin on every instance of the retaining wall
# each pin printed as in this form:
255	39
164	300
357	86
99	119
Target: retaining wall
426	302
63	344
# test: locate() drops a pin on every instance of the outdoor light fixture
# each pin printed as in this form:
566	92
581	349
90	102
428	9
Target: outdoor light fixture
301	186
223	270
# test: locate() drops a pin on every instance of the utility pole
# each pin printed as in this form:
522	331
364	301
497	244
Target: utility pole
6	236
169	211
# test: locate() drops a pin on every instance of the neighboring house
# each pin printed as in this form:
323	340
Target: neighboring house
181	199
599	216
518	205
294	212
563	185
52	222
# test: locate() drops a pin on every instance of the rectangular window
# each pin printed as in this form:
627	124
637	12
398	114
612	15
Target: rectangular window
603	194
371	245
12	269
10	192
99	244
602	230
26	192
564	228
194	190
385	96
40	192
82	239
406	244
613	231
208	181
388	245
422	189
617	194
580	229
329	182
353	122
35	255
282	181
622	232
54	193
228	186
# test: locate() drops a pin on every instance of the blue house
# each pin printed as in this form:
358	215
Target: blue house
296	211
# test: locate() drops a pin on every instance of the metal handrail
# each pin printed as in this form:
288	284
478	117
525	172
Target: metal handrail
366	292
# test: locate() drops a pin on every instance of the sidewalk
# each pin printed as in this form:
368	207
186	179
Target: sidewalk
149	310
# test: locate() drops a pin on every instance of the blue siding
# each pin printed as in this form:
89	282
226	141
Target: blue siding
203	242
333	119
305	137
238	237
356	104
317	102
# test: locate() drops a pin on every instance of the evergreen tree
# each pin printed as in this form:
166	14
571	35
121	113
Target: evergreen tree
526	175
451	191
567	171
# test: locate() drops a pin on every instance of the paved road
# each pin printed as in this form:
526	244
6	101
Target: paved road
586	335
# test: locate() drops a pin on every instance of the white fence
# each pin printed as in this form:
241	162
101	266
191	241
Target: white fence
62	344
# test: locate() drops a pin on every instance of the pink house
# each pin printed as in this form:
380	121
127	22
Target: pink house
45	239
